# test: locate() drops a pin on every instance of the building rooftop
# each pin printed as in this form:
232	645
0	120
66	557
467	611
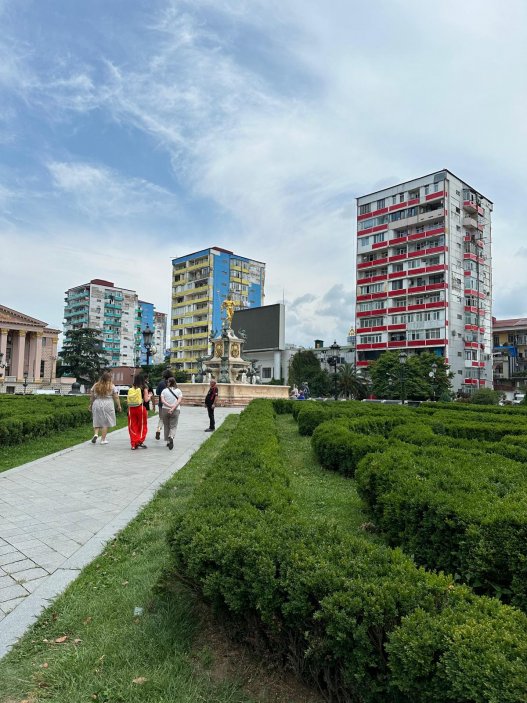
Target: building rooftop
509	324
426	175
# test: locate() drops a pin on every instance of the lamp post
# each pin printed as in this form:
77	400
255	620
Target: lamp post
403	356
432	376
25	381
334	360
147	341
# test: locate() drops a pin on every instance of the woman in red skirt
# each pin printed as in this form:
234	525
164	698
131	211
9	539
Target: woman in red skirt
137	412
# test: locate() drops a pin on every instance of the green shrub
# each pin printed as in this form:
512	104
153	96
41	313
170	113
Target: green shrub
283	406
462	512
339	449
24	417
335	606
473	652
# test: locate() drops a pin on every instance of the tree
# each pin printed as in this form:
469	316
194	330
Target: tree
155	373
485	396
82	355
305	368
350	384
417	376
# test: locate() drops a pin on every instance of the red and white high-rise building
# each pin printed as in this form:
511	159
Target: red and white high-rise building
424	275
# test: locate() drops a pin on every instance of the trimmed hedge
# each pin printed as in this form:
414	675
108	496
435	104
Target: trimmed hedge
310	415
283	406
23	417
339	449
338	608
510	446
464	512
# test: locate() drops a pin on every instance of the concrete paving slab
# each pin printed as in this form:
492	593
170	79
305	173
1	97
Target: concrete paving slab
57	513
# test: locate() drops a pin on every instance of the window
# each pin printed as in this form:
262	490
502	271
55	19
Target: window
401	197
267	372
381	203
378	238
373	322
397	268
397	285
364	209
373	288
413	194
371	339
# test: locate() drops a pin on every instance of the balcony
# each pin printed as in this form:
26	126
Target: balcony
470	206
470	223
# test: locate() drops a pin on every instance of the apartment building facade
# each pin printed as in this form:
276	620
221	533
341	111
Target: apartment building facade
424	275
510	351
160	337
114	311
201	281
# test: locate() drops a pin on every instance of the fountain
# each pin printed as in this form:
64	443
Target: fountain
237	377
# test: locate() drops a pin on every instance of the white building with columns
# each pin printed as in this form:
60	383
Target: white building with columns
28	353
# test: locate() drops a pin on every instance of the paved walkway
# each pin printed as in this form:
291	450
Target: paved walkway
58	512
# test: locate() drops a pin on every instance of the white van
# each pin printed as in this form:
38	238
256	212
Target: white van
518	398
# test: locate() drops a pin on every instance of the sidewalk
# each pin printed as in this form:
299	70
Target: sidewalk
58	512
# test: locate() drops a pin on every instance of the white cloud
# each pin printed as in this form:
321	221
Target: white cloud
278	114
102	193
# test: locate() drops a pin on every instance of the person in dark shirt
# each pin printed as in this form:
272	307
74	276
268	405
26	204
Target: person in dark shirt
160	388
210	402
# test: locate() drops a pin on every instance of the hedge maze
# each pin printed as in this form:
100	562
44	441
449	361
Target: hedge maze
411	617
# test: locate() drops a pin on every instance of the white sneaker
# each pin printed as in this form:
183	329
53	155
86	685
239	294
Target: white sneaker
104	441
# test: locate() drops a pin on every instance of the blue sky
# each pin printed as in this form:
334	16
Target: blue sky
133	131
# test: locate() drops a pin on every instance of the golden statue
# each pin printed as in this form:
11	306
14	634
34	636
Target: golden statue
228	304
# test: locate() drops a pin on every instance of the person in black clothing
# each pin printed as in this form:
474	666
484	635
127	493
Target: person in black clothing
210	402
160	388
149	393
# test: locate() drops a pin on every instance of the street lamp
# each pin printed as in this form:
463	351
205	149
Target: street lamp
334	361
148	335
25	381
432	376
403	356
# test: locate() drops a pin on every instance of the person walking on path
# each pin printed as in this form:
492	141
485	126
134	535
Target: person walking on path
137	413
103	401
149	394
160	388
210	402
171	398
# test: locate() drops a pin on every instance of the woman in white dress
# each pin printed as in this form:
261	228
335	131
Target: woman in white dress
103	399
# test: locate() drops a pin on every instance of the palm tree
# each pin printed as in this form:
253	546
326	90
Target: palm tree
350	384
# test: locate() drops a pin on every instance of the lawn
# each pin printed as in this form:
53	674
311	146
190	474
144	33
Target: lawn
122	632
326	496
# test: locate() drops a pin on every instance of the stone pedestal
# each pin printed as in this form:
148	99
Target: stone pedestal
231	394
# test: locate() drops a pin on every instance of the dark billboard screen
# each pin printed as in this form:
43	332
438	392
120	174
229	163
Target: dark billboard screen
263	326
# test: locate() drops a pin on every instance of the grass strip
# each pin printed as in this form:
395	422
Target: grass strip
90	646
326	497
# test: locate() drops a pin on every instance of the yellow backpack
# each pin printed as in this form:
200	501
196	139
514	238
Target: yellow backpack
135	397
